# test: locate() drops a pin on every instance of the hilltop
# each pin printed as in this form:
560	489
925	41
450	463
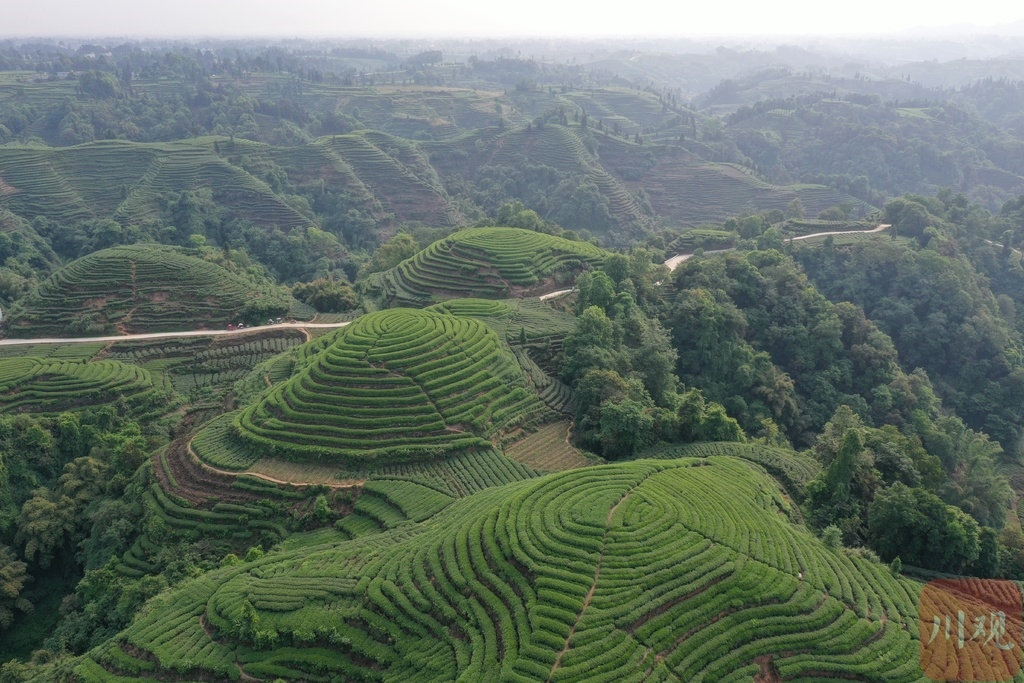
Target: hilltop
394	385
485	263
142	288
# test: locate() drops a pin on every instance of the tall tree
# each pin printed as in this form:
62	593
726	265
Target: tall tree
13	577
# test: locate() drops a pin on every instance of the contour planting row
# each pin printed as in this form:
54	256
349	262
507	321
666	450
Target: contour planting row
225	364
412	192
486	263
461	474
656	571
548	450
557	395
38	189
457	475
183	166
386	504
52	385
793	470
100	171
402	383
513	318
125	181
140	287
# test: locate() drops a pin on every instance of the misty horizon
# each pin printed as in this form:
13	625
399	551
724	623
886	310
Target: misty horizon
450	19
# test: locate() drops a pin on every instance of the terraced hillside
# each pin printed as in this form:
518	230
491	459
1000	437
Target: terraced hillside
441	112
138	288
124	181
513	318
54	385
490	263
696	192
394	385
397	173
388	179
205	369
562	148
678	570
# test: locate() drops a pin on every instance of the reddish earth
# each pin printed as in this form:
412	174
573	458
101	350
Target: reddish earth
769	673
196	484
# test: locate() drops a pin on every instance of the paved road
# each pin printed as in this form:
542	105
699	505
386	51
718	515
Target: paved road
880	228
554	295
164	335
674	262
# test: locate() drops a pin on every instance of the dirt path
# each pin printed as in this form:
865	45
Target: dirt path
210	468
166	335
593	586
1001	246
674	262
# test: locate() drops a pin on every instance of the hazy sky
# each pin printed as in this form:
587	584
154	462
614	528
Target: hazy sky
440	18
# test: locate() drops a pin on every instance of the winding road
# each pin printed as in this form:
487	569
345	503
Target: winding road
671	263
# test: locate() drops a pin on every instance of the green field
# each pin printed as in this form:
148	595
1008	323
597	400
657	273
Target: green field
490	263
139	288
398	384
655	570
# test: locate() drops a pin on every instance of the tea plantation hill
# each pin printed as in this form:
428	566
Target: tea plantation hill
513	318
394	385
682	570
636	183
53	385
124	181
141	288
542	327
389	180
489	263
383	176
